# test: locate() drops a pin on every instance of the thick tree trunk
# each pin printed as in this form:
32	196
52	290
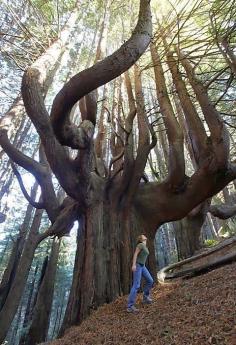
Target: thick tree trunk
102	270
188	231
187	238
13	299
165	245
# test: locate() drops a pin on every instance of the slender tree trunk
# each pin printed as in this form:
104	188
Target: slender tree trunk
59	311
7	183
56	322
72	308
28	310
3	253
10	271
13	299
13	117
7	175
41	314
213	230
13	334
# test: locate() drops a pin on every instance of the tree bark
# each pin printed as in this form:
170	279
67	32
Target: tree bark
187	236
13	299
10	271
41	313
99	74
109	224
102	268
28	310
175	136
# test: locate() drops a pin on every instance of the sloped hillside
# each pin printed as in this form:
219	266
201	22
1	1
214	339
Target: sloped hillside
198	311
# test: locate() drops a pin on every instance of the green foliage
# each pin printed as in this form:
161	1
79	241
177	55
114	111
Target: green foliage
210	243
228	229
51	9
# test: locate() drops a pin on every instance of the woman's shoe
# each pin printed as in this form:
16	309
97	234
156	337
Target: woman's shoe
132	309
147	300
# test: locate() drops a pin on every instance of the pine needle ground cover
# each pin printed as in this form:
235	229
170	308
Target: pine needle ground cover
198	311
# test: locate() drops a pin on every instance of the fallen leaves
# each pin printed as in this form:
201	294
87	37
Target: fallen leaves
198	311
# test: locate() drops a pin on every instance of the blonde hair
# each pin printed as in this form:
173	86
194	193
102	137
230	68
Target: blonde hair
140	238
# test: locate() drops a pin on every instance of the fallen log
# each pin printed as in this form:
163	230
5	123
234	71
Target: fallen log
222	253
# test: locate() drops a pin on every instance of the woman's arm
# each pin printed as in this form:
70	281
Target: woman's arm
137	251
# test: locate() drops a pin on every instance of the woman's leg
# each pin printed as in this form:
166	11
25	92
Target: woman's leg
148	281
137	275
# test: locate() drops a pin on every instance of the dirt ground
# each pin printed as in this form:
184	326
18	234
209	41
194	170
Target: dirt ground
198	311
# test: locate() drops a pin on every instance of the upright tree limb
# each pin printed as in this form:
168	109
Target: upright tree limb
101	73
129	146
219	133
32	93
144	145
99	141
175	136
195	127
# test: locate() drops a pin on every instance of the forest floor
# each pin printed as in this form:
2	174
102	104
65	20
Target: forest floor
197	311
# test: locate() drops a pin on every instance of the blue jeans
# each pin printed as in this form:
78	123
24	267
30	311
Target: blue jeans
141	270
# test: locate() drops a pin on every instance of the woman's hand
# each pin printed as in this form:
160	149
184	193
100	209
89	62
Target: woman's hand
137	250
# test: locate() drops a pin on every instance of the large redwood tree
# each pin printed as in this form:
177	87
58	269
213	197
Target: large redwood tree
111	198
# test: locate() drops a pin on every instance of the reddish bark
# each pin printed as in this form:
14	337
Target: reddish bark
176	161
114	208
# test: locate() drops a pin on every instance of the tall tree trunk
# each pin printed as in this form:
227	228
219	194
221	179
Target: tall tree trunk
28	310
187	233
41	314
13	334
59	312
102	268
187	238
10	271
15	119
4	251
13	299
213	228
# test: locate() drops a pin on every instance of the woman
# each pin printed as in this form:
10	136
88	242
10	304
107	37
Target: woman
138	267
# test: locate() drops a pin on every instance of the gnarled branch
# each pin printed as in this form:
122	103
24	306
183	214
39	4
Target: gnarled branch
101	73
64	221
39	205
223	211
20	158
